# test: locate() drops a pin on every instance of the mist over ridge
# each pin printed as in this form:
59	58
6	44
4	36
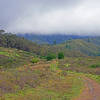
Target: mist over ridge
76	17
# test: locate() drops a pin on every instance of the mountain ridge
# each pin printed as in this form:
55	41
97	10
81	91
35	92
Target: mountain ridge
50	39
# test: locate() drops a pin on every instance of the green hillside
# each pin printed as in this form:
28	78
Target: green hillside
74	47
21	79
12	41
94	40
13	58
87	48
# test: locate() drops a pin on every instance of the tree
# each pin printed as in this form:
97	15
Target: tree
60	55
50	56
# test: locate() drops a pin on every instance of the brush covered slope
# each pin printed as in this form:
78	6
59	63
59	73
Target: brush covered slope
12	58
9	40
75	45
21	79
88	48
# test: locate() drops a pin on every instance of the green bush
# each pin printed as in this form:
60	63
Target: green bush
51	56
35	60
60	55
95	65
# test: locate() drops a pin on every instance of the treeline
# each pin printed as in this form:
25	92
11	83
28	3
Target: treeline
9	40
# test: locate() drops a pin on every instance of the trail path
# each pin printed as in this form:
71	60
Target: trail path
91	90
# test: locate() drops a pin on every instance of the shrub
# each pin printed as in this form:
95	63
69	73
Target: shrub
35	60
95	65
50	56
60	55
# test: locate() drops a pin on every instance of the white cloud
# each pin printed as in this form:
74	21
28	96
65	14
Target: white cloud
57	16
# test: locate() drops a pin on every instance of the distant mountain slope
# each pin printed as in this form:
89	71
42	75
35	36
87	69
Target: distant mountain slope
50	39
83	46
12	41
94	40
73	47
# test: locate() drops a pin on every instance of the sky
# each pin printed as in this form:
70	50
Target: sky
77	17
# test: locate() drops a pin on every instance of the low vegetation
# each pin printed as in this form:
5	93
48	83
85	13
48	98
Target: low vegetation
95	66
35	81
29	71
60	55
51	56
29	83
35	60
12	58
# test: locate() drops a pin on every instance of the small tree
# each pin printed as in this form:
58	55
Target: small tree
50	56
35	60
60	55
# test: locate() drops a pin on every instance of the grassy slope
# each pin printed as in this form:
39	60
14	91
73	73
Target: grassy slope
76	48
42	81
80	64
94	40
13	57
84	47
67	52
55	87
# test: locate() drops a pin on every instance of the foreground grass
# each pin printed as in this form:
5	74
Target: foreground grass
65	90
54	80
50	83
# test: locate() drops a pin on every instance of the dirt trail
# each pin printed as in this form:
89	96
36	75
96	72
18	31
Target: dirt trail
91	90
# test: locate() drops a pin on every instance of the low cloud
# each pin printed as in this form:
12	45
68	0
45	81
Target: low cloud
51	16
